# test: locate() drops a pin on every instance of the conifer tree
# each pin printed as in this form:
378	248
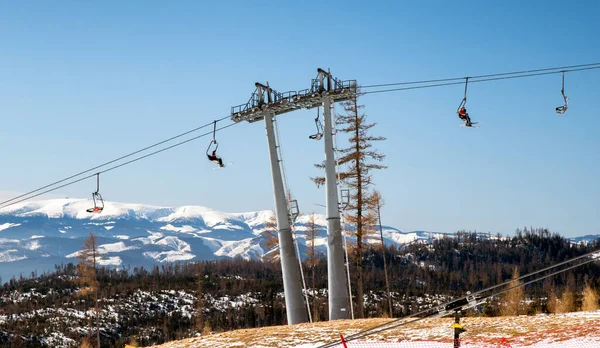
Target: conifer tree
552	301
357	161
590	299
87	271
567	302
378	200
271	237
514	297
312	260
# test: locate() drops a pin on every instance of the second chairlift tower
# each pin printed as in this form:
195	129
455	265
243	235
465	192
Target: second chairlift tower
266	104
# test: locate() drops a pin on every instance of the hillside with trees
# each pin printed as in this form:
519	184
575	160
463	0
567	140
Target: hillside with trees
175	301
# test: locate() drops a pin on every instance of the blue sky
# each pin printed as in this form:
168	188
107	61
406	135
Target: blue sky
85	82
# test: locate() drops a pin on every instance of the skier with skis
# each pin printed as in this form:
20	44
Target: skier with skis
214	158
464	115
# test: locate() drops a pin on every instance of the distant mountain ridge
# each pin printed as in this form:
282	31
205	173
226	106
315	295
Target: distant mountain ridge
34	236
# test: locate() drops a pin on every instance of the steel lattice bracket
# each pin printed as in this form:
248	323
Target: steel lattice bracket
267	100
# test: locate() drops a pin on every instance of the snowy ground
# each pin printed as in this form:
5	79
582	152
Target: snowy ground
581	329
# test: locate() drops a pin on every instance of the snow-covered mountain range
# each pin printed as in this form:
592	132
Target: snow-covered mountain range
34	236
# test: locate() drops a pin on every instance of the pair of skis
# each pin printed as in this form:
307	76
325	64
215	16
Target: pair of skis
471	126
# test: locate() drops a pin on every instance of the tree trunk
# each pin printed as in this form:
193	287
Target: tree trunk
313	257
387	281
95	255
97	320
315	309
359	223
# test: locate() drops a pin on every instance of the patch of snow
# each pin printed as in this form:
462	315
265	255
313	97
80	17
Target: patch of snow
212	243
122	237
33	245
114	248
319	241
169	256
320	220
36	237
110	261
149	240
175	243
8	225
182	229
239	248
107	248
259	218
5	256
75	254
400	238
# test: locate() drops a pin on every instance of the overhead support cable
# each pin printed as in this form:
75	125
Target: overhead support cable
114	160
361	334
594	256
560	69
25	197
477	79
458	81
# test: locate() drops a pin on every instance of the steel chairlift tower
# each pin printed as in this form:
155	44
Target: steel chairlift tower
265	104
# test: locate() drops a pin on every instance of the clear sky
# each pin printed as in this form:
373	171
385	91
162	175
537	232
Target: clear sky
85	82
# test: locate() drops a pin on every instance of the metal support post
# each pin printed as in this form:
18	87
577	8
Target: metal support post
292	284
338	293
458	329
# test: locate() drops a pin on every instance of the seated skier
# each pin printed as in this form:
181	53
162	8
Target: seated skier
463	115
214	158
561	109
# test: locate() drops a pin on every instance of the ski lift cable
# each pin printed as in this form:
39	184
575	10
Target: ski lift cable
114	160
560	68
15	201
583	67
292	222
593	254
486	297
365	334
429	312
480	80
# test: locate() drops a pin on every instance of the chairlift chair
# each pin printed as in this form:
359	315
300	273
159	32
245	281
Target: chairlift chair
294	211
562	109
97	198
462	110
345	201
319	126
211	150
